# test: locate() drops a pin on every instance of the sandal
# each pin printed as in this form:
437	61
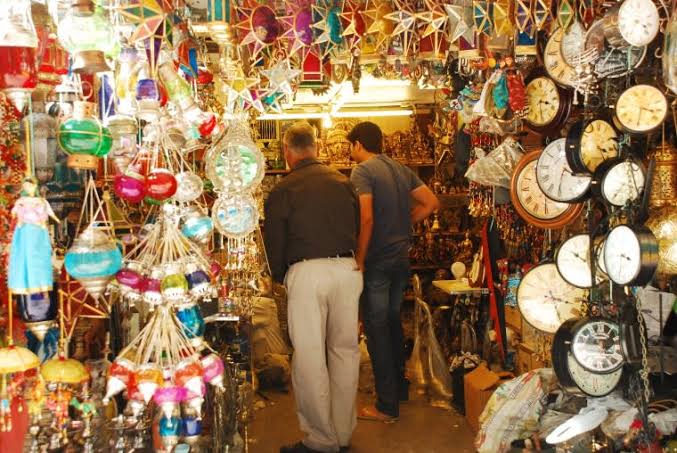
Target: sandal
373	414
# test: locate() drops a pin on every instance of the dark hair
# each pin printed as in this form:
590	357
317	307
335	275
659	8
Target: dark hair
369	135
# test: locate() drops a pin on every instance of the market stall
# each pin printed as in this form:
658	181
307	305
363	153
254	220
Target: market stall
140	138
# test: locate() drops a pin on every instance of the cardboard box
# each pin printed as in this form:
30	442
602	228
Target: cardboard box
527	359
478	386
513	318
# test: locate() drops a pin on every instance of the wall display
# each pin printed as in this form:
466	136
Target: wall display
630	255
571	375
546	300
596	345
532	204
640	109
621	181
556	178
589	143
573	262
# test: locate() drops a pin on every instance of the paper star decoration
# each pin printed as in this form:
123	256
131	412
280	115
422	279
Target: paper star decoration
328	23
154	18
280	78
378	24
298	29
261	28
461	22
354	24
435	17
238	91
405	18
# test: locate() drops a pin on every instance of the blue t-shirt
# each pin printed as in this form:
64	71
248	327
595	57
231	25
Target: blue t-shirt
390	184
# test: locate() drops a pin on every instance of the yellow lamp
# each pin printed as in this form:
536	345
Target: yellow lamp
64	371
14	359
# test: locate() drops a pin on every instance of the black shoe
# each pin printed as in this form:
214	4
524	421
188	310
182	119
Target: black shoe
344	449
298	447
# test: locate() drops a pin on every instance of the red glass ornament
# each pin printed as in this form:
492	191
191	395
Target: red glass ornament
17	68
207	126
204	77
160	184
130	187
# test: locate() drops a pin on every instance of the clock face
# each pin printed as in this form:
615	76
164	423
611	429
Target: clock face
573	262
573	43
623	183
596	346
641	108
612	62
546	300
622	255
554	62
638	21
532	198
598	143
544	101
555	177
591	383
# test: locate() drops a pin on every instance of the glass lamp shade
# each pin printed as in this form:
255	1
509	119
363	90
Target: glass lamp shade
197	227
213	369
670	54
235	215
93	260
87	34
64	371
168	397
36	307
131	283
130	187
189	187
14	359
152	289
84	138
188	374
44	145
125	80
148	380
199	283
174	287
218	15
170	431
160	184
663	224
235	162
191	428
192	322
123	130
178	90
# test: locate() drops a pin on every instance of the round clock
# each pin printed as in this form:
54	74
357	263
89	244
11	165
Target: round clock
555	177
532	204
554	62
572	377
620	181
546	300
589	143
596	345
638	22
612	62
572	46
573	262
641	109
630	255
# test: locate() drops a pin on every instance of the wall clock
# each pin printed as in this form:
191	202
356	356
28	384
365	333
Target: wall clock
630	255
632	23
589	143
596	345
640	109
572	377
573	262
620	182
532	204
556	178
549	104
612	62
546	300
554	62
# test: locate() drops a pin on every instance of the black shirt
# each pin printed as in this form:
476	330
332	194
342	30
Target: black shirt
312	213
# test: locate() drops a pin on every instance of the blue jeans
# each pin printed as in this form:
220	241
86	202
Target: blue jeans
384	285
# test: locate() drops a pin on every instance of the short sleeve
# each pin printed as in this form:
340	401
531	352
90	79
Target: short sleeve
361	180
412	179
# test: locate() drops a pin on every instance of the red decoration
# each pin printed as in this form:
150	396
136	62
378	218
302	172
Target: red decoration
160	184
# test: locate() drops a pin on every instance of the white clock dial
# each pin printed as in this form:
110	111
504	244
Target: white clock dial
573	43
573	262
623	183
546	300
555	177
554	62
622	255
591	383
532	198
596	346
638	21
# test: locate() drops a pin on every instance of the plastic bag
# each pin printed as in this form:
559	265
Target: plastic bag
496	168
427	367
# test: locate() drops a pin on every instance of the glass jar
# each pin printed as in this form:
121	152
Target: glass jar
83	137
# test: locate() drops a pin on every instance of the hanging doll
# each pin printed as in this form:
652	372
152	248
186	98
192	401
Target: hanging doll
30	256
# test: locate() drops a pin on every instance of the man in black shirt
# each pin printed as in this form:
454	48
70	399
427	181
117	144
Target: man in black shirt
310	234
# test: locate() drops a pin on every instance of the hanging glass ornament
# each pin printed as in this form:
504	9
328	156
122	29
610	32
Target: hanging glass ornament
160	184
191	428
199	282
123	130
83	137
169	397
152	287
670	53
130	281
197	226
120	375
44	143
148	380
130	186
213	369
188	374
174	285
189	187
93	260
235	215
38	312
170	431
235	163
193	325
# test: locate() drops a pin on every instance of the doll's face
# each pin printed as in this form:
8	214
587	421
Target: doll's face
29	188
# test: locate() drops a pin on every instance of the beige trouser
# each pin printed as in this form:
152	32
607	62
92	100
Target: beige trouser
323	298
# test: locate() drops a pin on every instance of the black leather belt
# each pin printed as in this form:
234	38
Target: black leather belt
349	254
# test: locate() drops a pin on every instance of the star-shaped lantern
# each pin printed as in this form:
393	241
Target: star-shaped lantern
327	21
354	26
260	27
280	78
152	17
298	29
238	91
378	24
434	23
461	22
405	18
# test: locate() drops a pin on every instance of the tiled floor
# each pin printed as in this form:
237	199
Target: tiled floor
421	429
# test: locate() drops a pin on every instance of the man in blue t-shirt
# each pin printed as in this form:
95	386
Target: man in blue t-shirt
392	198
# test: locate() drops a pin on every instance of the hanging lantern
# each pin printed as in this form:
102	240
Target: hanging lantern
196	226
130	186
235	162
125	80
235	215
189	187
43	144
148	99
93	260
18	72
120	375
170	431
168	397
152	287
160	184
87	34
84	138
213	369
148	380
191	428
199	282
174	286
38	312
188	374
192	322
670	53
64	371
130	282
123	130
